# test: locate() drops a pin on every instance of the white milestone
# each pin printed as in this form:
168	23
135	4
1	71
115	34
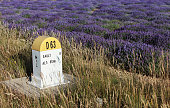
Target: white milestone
47	62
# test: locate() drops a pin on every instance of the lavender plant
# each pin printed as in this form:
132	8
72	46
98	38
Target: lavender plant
132	32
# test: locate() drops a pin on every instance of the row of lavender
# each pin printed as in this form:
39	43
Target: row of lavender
134	31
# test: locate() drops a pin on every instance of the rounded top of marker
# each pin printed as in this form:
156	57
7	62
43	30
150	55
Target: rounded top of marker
44	43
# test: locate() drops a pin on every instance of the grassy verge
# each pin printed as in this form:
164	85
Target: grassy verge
100	85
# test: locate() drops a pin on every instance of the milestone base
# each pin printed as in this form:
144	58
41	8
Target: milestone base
22	85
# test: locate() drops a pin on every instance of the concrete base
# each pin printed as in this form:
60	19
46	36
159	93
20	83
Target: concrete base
37	83
22	85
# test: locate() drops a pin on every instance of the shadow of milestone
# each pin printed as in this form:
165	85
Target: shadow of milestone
24	59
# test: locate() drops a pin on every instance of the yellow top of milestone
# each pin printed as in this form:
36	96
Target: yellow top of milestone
44	43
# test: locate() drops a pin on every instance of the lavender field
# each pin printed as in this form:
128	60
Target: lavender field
118	49
135	31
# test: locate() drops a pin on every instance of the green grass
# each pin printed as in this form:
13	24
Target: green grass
112	24
26	16
99	80
17	11
41	24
